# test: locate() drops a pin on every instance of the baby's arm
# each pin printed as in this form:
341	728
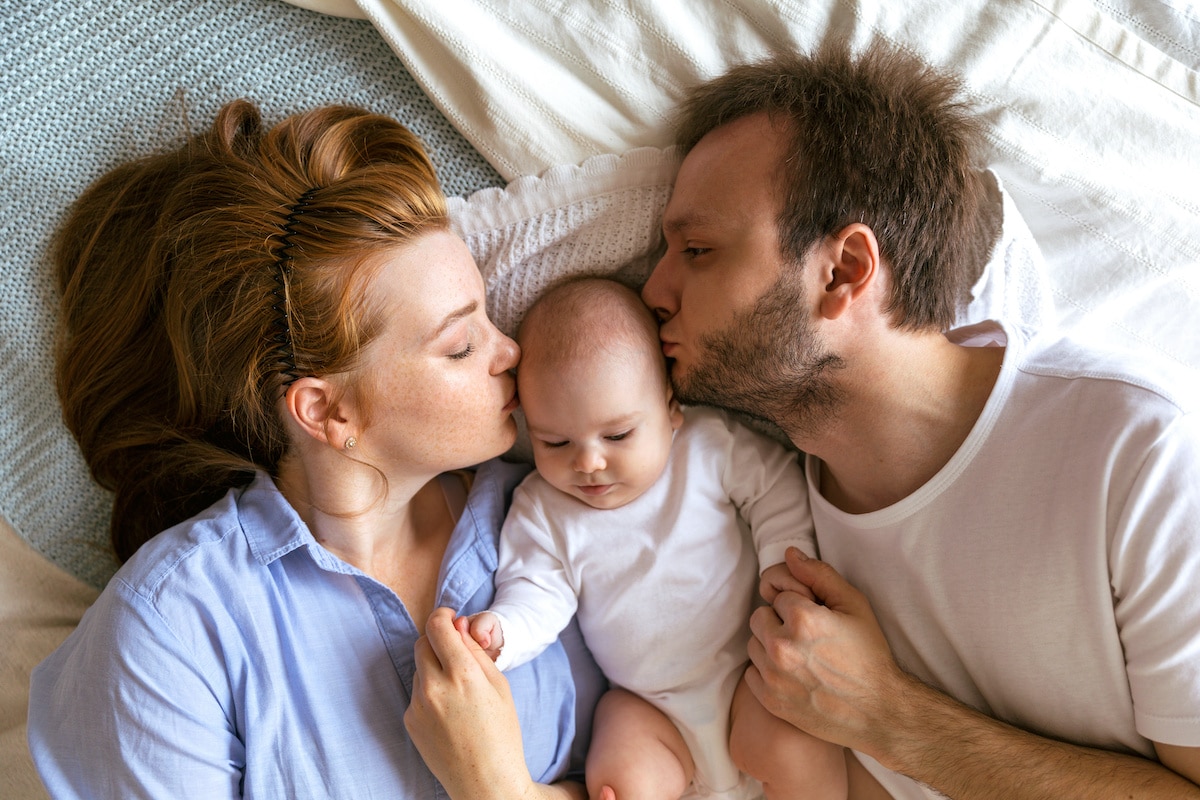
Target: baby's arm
765	481
488	633
535	594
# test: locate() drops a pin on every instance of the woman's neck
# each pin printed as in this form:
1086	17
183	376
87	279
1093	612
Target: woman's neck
396	534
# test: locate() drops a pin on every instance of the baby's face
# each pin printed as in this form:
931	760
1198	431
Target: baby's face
600	432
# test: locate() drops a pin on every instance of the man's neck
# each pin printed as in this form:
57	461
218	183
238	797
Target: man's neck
907	410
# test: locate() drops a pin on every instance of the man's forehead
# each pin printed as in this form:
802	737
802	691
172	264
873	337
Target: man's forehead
686	219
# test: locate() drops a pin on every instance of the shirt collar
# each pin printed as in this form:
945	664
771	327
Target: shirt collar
271	526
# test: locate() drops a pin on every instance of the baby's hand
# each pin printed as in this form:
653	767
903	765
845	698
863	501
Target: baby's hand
778	578
485	629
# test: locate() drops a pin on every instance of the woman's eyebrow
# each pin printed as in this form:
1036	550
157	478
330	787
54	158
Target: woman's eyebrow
453	317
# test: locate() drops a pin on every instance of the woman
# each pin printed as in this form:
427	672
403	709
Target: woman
278	354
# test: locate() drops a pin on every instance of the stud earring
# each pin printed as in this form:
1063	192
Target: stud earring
351	443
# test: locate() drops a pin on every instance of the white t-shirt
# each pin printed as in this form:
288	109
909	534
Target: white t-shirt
663	585
1049	574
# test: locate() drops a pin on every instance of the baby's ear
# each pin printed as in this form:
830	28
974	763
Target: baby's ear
674	410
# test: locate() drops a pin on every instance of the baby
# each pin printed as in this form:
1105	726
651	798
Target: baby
636	518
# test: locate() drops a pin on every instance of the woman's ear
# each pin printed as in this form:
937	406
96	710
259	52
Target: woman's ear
852	268
310	404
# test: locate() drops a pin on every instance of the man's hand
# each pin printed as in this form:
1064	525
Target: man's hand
778	578
820	660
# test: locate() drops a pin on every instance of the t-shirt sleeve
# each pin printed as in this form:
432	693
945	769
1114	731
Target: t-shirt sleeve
535	596
765	481
1155	565
121	709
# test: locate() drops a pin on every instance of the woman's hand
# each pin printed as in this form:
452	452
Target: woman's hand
462	717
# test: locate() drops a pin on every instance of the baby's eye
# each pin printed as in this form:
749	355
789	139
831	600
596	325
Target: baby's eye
466	351
616	437
553	444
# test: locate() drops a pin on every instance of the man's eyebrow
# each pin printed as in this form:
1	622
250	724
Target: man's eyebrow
453	317
690	220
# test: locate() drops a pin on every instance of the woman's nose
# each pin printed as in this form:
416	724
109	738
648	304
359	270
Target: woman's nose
508	353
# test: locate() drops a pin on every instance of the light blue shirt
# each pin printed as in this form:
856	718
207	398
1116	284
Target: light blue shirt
234	656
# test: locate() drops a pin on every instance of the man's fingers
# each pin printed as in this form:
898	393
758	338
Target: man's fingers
828	586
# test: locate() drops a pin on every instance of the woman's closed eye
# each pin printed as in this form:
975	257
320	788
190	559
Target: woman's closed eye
463	353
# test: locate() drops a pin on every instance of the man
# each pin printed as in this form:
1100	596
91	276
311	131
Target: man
1019	515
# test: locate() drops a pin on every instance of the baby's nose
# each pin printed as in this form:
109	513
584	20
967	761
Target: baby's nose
589	459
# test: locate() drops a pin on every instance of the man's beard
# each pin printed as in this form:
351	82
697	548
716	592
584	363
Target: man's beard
768	363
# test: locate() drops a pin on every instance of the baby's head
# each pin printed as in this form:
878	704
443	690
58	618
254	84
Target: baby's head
594	388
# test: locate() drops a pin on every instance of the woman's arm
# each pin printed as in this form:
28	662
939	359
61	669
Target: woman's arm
464	723
121	710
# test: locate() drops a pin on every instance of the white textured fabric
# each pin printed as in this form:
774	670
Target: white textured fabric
664	584
1029	577
1092	111
600	217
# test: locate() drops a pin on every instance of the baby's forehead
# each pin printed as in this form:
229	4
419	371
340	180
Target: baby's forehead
604	352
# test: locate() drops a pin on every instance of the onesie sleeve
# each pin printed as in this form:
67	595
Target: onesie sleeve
1155	566
535	596
765	481
122	709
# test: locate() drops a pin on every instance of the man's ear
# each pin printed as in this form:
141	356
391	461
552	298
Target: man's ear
851	268
310	404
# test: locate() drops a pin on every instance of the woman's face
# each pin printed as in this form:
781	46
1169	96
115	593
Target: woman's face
438	376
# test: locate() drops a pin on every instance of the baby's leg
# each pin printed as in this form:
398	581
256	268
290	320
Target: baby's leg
636	750
789	762
863	785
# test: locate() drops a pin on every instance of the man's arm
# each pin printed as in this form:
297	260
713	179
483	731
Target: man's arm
965	754
828	670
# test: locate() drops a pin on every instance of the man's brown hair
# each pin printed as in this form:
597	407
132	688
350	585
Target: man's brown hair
878	138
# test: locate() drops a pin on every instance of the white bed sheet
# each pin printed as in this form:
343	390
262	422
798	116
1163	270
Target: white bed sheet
1093	111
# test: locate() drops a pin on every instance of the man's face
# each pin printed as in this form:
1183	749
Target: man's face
735	315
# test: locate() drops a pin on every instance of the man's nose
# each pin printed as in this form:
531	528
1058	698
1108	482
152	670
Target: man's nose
658	293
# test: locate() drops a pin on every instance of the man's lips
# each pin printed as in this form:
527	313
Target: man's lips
512	404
